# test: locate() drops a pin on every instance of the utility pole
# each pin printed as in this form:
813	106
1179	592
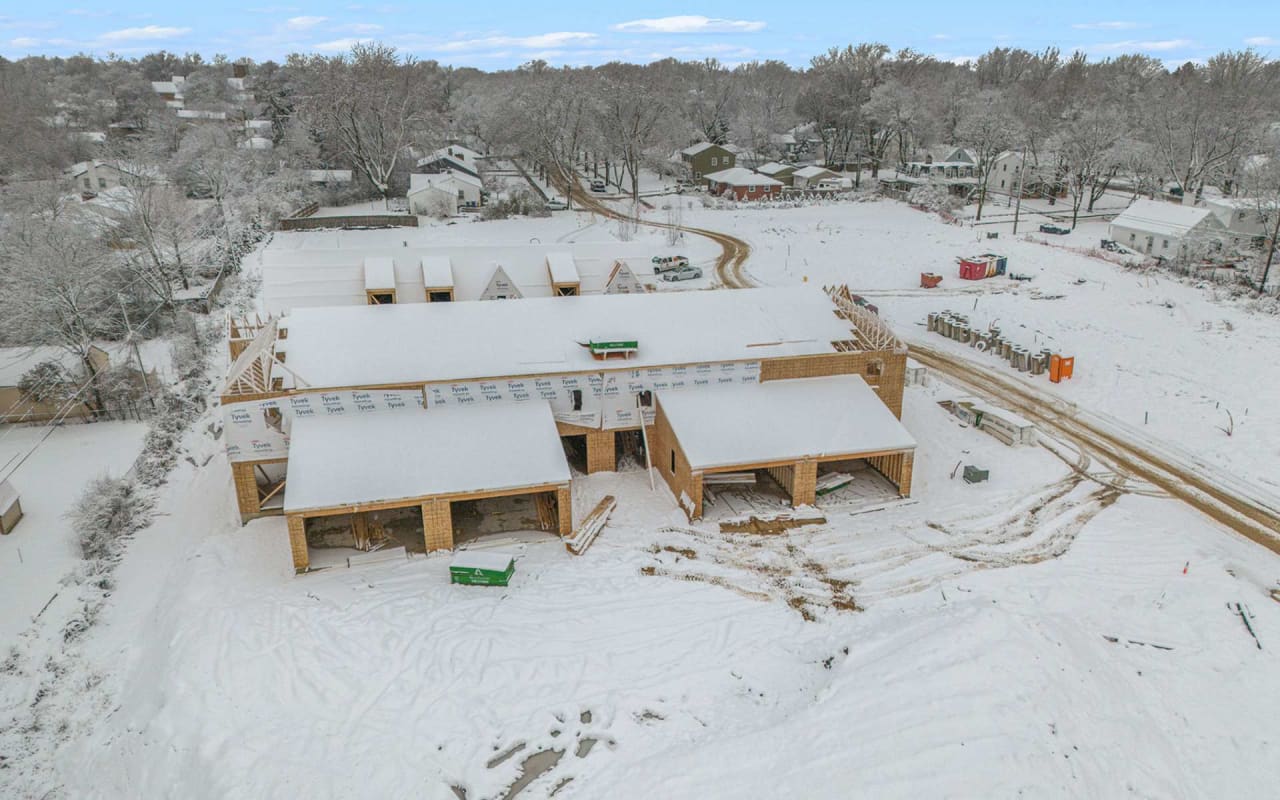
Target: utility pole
1022	174
142	370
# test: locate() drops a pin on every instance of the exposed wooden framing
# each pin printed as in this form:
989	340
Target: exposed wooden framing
371	296
406	502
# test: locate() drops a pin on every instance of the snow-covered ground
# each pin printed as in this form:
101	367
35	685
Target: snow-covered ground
42	549
1040	634
1031	635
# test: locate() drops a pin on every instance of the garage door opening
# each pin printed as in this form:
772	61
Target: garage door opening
575	452
331	540
629	451
534	515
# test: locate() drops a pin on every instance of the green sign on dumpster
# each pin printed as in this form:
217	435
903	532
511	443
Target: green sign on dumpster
482	569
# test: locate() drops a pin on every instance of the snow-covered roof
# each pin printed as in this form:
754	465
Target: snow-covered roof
420	182
257	124
814	171
772	168
348	346
1163	219
437	272
741	176
562	268
694	149
164	87
399	455
192	113
324	268
379	273
328	175
787	419
257	143
18	361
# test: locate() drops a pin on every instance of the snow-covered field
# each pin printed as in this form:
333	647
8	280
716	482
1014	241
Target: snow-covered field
1037	635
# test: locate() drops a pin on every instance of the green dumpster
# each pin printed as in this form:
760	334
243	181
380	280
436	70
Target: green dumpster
482	569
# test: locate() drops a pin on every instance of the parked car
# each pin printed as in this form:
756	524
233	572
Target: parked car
557	205
598	185
1054	229
684	273
1113	246
663	264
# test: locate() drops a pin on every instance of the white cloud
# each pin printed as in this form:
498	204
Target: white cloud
941	37
1105	26
1132	45
24	41
147	32
689	24
361	27
338	45
304	23
1262	41
541	41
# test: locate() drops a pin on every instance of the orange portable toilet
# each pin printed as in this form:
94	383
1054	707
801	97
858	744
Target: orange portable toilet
1067	368
1055	368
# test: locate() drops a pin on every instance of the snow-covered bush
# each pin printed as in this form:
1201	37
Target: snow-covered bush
517	202
933	198
47	382
108	511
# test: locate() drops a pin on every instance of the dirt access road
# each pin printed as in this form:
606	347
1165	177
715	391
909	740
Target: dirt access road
733	251
1200	486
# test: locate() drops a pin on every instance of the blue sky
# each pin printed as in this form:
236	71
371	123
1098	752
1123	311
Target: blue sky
502	33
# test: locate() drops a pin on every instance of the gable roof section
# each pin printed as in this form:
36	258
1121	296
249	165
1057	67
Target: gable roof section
1165	219
741	176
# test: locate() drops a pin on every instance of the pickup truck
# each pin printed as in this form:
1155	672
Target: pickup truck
663	264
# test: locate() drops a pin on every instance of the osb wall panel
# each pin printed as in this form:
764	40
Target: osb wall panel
897	467
683	480
804	483
601	452
298	542
246	484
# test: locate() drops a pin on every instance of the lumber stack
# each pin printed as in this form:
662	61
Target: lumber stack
581	539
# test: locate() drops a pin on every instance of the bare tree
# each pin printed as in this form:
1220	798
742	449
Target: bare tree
630	113
1086	148
989	127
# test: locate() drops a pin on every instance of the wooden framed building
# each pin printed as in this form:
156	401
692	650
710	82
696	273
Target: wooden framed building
450	382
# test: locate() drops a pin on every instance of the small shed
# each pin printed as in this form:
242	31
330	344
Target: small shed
10	507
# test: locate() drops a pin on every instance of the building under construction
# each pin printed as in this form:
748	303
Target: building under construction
351	419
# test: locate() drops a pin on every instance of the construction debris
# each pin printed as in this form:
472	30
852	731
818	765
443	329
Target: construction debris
581	539
772	524
1245	616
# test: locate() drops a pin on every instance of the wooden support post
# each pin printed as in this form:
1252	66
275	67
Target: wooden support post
298	543
804	483
564	508
904	474
437	525
601	452
246	484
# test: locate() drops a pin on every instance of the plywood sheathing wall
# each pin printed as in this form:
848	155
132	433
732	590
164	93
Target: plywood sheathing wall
298	542
684	482
437	525
601	454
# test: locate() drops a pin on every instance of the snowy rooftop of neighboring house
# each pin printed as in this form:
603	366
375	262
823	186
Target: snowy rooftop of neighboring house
454	152
741	176
772	168
562	268
419	181
815	171
328	175
365	345
791	419
257	124
191	113
97	137
141	170
398	455
18	361
164	87
1165	219
694	149
256	143
379	273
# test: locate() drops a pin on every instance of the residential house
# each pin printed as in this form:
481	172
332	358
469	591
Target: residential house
328	177
256	143
1165	230
704	158
431	192
99	176
815	178
1240	216
455	157
959	175
1041	178
741	183
778	171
